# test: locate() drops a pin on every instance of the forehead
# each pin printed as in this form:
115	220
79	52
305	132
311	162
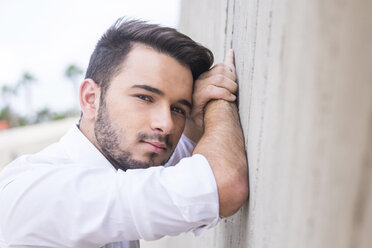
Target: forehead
145	65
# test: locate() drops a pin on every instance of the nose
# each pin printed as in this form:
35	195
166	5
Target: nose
162	120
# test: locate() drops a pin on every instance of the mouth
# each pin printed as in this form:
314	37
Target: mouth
157	147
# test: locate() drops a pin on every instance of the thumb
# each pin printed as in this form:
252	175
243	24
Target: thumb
229	58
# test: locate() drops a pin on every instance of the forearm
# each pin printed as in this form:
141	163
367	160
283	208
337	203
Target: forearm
192	131
223	145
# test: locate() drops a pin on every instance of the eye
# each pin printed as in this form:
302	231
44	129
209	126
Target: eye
145	98
178	111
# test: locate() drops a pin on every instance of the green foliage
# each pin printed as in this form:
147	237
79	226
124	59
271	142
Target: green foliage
26	80
4	113
72	72
12	117
59	116
27	77
46	115
9	92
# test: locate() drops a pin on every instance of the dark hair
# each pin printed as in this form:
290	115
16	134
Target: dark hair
116	43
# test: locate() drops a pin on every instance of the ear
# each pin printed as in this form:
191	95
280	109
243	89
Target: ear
89	99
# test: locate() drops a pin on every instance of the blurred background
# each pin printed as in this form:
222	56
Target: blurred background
44	52
45	47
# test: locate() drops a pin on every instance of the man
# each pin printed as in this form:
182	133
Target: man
103	184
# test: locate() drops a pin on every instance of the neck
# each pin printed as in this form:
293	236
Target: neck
87	128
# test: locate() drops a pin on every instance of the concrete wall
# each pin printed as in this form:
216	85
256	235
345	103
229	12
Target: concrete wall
305	75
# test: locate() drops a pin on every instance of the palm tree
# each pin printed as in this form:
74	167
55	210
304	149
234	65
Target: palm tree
73	73
6	93
25	83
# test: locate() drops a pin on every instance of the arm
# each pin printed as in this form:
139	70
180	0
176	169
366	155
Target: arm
216	83
192	131
223	145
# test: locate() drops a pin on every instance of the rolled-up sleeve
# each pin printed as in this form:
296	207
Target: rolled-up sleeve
169	201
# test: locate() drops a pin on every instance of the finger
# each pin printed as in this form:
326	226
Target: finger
214	92
229	58
222	82
211	92
222	69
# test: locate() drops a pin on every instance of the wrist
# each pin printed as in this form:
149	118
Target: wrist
218	113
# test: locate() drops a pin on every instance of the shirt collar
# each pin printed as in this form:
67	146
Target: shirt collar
81	150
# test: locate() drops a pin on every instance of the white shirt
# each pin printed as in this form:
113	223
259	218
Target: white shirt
69	195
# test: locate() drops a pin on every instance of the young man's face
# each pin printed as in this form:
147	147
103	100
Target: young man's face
145	108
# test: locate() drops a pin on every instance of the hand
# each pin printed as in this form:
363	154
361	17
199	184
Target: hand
217	83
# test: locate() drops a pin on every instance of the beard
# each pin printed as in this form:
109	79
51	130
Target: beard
110	137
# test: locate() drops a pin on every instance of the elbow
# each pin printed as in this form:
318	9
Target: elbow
234	195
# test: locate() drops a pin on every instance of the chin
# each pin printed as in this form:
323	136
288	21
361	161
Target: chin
155	160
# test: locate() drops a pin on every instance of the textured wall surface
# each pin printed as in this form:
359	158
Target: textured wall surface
305	75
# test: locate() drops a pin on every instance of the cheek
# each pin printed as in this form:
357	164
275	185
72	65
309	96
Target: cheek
179	124
130	122
129	114
133	124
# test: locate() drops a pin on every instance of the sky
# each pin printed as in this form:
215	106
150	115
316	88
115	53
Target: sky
43	37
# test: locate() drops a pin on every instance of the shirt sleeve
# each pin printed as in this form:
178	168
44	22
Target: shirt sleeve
184	199
82	206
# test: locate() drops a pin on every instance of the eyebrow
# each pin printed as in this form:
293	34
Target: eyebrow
160	93
149	88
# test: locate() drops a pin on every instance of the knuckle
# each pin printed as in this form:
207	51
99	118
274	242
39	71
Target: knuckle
218	92
218	68
233	76
221	70
219	78
225	93
210	88
222	93
232	71
220	64
214	92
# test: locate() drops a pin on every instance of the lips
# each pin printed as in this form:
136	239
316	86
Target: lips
157	147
